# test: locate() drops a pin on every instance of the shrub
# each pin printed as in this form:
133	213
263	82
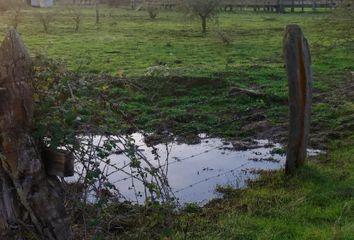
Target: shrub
224	37
45	18
204	9
75	12
152	7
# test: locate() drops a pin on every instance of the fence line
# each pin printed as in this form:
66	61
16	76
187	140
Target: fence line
212	177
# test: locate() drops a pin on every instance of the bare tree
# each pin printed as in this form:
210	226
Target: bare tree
14	7
97	4
152	7
280	6
75	13
204	9
45	18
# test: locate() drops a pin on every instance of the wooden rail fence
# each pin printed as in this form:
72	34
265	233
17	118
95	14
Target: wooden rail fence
231	5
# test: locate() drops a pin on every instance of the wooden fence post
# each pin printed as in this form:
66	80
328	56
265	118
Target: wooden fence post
30	199
298	66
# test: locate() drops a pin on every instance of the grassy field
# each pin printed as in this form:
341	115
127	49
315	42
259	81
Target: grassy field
171	50
127	42
172	77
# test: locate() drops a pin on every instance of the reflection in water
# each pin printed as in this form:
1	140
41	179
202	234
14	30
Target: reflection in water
193	171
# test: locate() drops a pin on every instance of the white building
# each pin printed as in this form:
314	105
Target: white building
42	3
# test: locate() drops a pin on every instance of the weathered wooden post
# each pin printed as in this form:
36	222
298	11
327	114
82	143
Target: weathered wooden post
29	197
298	66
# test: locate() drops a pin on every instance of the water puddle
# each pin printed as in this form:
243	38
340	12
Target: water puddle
193	171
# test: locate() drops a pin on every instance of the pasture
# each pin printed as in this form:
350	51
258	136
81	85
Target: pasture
127	44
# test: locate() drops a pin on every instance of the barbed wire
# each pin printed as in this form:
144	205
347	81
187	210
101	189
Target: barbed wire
161	178
175	161
185	158
182	159
210	178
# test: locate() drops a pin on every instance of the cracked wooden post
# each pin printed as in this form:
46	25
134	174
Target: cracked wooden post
298	66
29	198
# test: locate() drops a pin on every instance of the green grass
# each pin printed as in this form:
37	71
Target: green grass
127	43
316	203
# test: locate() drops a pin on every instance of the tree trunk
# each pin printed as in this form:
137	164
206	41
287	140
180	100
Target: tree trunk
280	8
97	11
203	24
314	6
28	196
298	66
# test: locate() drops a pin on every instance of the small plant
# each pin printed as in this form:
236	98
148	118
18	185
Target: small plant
203	9
16	18
75	13
158	71
279	151
45	18
152	7
224	37
97	7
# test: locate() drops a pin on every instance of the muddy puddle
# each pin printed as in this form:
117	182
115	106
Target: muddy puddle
194	171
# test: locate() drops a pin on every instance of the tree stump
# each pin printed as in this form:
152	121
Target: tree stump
298	66
29	198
